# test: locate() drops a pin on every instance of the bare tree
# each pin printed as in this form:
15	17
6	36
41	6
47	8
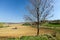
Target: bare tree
40	10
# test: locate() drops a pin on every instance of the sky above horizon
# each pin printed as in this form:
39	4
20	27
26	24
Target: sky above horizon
14	10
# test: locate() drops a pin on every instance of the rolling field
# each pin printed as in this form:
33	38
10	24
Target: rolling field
17	30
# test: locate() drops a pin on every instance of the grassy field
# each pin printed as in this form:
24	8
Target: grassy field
21	31
51	25
16	31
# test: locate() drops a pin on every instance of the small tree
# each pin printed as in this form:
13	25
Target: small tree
40	10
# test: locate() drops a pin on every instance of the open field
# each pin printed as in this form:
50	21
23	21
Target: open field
21	31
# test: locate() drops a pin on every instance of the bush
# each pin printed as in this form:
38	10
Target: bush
27	24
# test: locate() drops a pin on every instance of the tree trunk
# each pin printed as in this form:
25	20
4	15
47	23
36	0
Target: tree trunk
37	29
37	21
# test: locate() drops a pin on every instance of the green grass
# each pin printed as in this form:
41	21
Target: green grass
45	24
29	38
34	38
9	38
43	37
51	25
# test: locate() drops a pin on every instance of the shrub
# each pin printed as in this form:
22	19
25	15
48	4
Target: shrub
27	24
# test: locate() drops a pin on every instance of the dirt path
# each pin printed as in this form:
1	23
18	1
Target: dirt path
18	31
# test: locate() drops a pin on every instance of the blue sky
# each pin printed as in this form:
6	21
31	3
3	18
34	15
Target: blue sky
56	11
14	10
